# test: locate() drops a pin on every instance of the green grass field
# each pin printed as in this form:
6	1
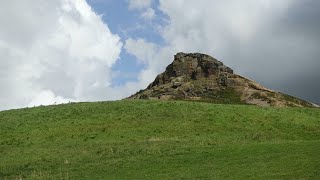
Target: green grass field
159	140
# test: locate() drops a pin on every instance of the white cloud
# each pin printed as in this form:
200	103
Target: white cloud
152	56
47	97
149	14
139	4
197	23
144	51
54	51
144	8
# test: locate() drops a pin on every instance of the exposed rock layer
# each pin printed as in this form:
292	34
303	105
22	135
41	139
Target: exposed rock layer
195	76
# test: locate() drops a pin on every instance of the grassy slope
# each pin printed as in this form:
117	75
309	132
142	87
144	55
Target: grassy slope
159	139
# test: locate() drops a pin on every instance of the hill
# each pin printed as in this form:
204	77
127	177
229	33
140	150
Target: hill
200	77
159	140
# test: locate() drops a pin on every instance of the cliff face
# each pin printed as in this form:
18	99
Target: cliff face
195	76
192	67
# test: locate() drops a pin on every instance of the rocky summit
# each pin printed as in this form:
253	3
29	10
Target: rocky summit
200	77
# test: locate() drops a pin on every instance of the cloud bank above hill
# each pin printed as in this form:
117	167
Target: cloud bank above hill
61	50
273	42
54	51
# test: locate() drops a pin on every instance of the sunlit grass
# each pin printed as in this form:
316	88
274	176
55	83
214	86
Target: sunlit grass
159	140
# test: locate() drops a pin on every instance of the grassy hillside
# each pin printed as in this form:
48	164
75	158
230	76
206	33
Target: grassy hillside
159	140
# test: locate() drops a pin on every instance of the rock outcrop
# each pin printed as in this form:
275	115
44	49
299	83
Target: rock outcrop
200	77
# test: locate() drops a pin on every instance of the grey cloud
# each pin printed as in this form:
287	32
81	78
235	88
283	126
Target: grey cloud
303	18
276	45
292	62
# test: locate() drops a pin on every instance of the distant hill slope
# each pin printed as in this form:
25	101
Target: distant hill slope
199	77
159	140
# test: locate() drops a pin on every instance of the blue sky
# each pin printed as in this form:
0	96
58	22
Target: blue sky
128	24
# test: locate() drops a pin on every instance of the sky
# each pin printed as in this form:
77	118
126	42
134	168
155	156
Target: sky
62	51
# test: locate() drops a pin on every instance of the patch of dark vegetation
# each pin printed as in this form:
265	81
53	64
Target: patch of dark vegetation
143	96
226	95
295	100
263	97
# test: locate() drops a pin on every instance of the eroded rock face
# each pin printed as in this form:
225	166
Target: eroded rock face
193	66
195	76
